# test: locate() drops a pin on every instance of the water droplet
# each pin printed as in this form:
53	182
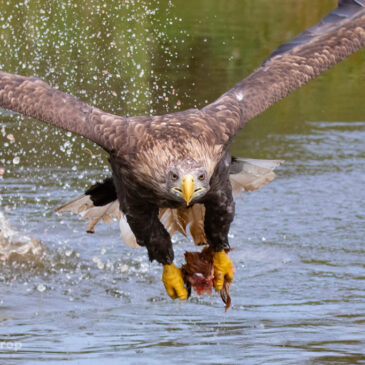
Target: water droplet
124	268
68	253
41	288
98	262
10	137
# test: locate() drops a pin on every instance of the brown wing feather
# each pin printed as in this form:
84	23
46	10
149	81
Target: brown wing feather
33	97
292	65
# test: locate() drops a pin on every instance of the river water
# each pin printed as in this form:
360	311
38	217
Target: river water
299	289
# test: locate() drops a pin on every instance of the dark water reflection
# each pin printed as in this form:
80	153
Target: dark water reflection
298	295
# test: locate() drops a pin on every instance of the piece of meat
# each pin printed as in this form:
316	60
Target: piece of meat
198	274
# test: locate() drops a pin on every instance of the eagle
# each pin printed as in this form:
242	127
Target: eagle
174	169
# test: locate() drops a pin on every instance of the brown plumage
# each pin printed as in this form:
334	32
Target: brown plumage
165	164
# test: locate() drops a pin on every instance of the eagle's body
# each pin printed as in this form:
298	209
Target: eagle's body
140	200
181	161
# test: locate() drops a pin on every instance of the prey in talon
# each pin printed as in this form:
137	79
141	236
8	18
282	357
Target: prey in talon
201	273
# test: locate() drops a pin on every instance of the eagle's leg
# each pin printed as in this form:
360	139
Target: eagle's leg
218	218
150	232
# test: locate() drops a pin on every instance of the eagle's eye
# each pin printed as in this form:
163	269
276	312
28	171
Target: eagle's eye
174	177
201	177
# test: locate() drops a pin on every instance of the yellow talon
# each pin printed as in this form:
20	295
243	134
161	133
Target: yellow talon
174	283
223	269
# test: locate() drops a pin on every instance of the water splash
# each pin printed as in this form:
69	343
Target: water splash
16	246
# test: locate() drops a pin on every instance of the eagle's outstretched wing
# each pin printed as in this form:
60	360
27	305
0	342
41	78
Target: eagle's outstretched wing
293	64
33	97
339	34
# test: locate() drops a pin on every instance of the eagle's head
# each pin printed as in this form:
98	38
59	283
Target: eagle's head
187	180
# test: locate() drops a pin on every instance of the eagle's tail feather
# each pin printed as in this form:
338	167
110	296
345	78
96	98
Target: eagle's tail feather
249	174
177	220
84	206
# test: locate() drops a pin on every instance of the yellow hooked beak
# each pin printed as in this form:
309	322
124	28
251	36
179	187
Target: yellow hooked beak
188	187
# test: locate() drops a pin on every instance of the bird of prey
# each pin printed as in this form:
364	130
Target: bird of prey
179	164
